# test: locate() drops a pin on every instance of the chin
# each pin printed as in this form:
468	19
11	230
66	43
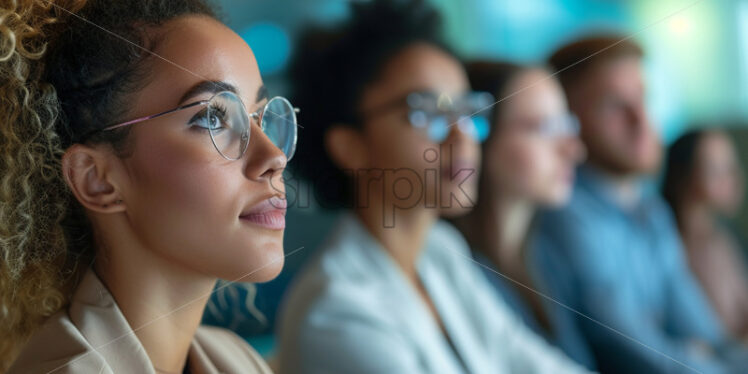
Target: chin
258	273
645	167
266	273
648	162
260	261
556	200
455	211
458	198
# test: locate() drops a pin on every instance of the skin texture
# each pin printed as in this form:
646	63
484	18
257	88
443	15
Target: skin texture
609	101
177	227
389	142
718	180
520	161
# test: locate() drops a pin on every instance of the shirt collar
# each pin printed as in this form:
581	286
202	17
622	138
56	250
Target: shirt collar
601	186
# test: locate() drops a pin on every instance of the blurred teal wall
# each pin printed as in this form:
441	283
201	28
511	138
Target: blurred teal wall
697	51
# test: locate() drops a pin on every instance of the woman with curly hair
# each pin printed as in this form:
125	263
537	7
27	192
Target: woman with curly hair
141	160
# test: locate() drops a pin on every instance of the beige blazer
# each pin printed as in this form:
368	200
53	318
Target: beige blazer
93	336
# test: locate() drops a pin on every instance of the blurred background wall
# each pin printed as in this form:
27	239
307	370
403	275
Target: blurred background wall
697	65
697	49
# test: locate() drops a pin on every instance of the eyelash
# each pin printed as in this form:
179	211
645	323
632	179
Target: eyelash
217	111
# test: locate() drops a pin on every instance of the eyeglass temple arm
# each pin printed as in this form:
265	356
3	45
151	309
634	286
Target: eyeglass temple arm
141	119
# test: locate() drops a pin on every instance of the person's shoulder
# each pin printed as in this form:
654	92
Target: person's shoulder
58	347
229	352
346	279
329	288
448	252
447	239
583	204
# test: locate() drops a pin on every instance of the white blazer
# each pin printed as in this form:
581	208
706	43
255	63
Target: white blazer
353	311
93	336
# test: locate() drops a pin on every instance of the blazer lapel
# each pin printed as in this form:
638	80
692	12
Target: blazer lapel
401	300
96	315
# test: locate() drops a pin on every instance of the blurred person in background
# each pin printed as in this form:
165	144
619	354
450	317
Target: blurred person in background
704	185
394	289
615	249
529	160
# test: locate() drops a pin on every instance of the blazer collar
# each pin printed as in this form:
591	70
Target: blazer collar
94	312
398	296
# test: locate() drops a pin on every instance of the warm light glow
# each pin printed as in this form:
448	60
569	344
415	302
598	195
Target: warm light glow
680	25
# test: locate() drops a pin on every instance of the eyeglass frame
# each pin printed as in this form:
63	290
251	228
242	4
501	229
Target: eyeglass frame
254	115
571	129
407	98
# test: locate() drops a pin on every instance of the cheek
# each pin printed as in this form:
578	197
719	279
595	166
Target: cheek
186	207
174	189
607	127
178	176
519	162
531	168
723	189
394	146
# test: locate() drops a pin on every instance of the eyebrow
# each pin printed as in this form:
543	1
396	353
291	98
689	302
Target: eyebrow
262	93
214	87
211	87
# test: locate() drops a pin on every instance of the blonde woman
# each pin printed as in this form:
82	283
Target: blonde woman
141	161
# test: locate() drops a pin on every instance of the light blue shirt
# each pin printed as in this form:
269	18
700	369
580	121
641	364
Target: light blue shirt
625	269
353	311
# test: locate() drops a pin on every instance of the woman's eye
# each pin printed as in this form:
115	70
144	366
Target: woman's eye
212	119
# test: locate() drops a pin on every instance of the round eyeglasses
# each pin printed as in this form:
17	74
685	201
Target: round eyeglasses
227	121
436	114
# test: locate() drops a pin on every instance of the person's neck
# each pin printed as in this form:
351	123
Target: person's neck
402	234
498	228
623	188
162	301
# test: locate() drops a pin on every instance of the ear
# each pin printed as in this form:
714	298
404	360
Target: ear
347	147
89	174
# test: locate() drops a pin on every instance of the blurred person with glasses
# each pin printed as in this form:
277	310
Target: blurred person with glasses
393	138
143	162
528	165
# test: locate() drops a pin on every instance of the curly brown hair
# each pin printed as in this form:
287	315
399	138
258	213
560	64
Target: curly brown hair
62	76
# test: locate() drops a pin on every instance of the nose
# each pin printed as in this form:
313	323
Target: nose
264	159
456	135
637	116
572	149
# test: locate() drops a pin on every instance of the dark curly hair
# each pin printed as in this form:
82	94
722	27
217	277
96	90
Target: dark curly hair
64	73
334	66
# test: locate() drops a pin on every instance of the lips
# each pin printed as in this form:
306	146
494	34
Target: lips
269	214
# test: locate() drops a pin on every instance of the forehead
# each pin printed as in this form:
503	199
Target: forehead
193	49
533	91
419	67
623	72
715	145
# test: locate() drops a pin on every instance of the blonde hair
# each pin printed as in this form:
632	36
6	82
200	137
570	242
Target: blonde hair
35	270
